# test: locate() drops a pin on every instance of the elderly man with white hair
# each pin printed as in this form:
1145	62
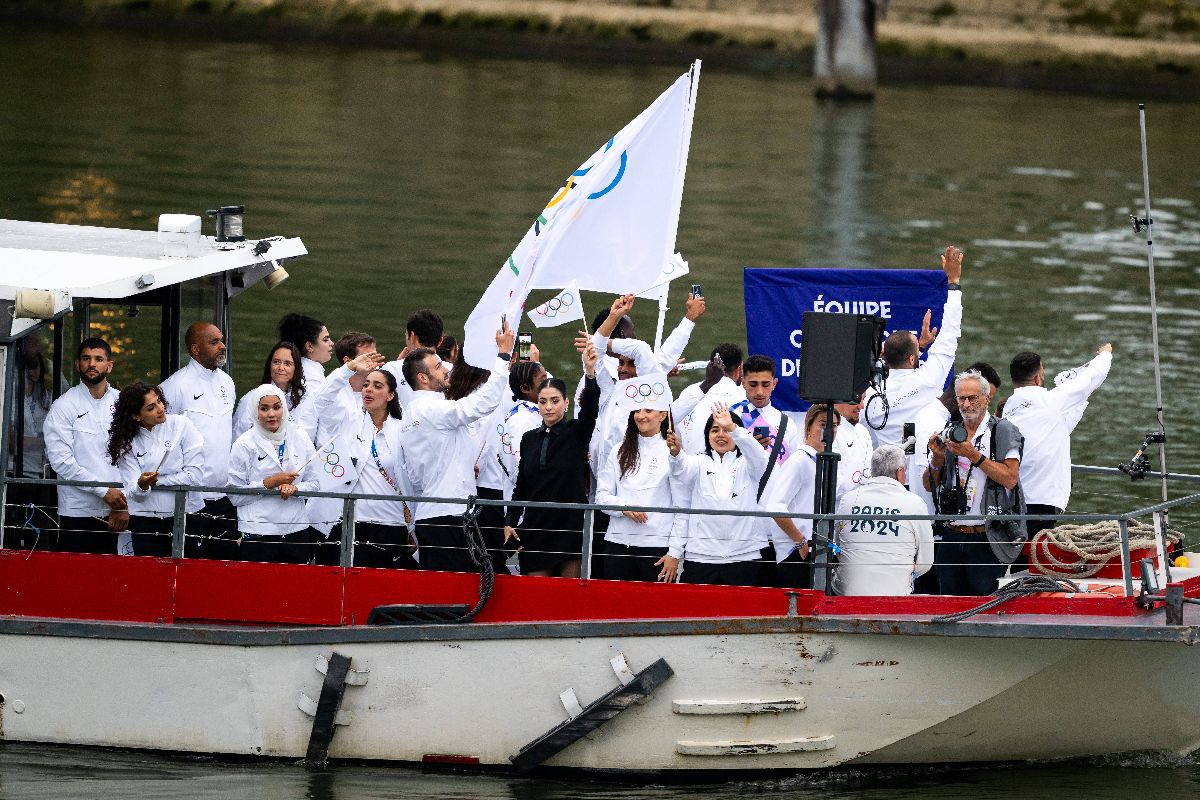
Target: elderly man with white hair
972	474
882	556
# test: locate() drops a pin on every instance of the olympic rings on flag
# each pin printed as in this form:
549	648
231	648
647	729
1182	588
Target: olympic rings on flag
551	308
330	459
645	392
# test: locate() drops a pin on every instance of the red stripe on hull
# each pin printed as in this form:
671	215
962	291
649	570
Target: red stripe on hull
130	589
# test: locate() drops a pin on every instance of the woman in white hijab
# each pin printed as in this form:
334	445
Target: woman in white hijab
272	455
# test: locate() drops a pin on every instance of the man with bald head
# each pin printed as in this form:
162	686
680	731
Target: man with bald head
204	393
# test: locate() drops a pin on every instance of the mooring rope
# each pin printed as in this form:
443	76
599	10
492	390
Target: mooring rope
477	550
1026	584
1094	544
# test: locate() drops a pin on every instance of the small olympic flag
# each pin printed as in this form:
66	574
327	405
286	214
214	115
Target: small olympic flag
563	307
651	391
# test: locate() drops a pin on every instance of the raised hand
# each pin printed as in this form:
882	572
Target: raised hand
591	357
673	443
505	339
365	362
721	418
694	308
621	306
952	261
928	334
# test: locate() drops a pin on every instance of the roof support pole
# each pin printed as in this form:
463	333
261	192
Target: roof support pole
10	380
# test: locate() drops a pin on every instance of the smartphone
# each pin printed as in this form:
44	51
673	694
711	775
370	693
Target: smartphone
906	430
762	431
503	321
524	346
696	290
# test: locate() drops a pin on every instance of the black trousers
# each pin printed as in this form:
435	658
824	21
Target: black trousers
443	547
966	564
623	562
288	548
212	531
734	573
85	535
491	525
794	572
382	546
1036	526
151	535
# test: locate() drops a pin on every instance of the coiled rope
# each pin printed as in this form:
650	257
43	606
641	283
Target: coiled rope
477	550
1026	584
1093	544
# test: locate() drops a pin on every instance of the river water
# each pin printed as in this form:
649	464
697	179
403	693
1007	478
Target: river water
411	177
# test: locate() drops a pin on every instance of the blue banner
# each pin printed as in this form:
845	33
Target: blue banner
776	300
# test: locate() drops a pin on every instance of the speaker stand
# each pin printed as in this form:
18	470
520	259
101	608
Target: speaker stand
823	503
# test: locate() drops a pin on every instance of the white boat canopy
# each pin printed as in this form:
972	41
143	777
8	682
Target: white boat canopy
48	266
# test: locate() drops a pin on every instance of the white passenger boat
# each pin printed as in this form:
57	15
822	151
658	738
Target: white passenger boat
337	662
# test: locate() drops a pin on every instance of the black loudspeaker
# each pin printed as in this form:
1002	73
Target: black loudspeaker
837	355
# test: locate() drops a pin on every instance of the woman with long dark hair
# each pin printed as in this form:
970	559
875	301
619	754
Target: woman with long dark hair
553	468
277	456
316	346
282	370
150	447
719	549
638	473
369	438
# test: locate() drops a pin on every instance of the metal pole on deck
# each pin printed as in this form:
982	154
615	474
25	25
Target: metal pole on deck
179	525
347	559
10	379
1148	223
585	567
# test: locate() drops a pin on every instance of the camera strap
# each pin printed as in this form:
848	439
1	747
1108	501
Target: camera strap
774	457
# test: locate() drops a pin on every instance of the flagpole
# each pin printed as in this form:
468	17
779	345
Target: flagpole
680	173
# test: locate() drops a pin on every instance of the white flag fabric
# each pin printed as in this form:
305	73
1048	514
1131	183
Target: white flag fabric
651	391
336	472
558	310
675	267
611	226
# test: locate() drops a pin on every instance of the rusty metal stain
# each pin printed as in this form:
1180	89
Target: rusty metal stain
876	663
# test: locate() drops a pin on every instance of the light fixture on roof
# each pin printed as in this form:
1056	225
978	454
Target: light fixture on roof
229	223
276	276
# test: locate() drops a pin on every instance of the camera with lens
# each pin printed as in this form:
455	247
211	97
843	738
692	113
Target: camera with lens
953	432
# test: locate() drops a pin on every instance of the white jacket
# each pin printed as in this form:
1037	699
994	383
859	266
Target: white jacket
338	409
254	459
1046	419
76	432
206	397
183	446
500	444
909	390
720	482
881	556
438	448
791	491
648	484
855	446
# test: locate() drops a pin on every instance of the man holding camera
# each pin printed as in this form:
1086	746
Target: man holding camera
973	470
1046	417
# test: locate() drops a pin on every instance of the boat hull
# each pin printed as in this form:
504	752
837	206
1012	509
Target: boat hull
858	691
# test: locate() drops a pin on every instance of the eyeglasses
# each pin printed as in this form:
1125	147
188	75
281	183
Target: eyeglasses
969	399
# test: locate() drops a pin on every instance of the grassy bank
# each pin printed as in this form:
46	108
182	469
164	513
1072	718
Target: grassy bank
1129	47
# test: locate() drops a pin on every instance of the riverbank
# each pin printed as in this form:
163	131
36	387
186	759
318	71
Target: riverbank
1136	48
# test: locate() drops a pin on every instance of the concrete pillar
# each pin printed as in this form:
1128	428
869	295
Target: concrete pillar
844	54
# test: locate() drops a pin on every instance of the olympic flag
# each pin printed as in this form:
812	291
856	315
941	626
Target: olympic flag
651	391
611	226
562	308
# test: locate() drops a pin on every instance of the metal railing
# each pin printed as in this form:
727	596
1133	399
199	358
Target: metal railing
822	523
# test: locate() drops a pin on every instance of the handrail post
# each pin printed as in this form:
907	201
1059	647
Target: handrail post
347	559
179	526
1126	567
585	568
